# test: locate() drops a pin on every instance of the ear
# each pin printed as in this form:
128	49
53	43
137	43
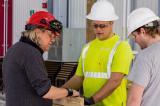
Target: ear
142	30
37	31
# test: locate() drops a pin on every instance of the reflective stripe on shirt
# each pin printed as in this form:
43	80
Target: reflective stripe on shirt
100	74
96	75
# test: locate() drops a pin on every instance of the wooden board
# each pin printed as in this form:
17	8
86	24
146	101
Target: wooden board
69	101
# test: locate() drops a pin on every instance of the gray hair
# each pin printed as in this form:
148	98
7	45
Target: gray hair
32	35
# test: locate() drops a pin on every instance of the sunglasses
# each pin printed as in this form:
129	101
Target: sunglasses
101	26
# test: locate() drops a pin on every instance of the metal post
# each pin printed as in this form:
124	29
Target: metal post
124	19
4	30
5	42
67	17
158	7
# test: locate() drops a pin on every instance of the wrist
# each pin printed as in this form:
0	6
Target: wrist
92	100
89	101
70	92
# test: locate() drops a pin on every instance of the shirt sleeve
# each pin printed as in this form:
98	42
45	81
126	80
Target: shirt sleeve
37	74
122	58
140	72
79	71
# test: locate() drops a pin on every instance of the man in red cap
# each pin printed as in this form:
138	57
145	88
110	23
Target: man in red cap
24	74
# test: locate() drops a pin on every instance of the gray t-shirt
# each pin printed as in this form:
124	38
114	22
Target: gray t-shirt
146	72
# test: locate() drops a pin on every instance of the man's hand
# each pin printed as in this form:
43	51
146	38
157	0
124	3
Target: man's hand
88	101
75	93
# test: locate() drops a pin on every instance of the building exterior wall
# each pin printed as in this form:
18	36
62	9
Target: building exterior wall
70	12
152	4
73	15
123	8
60	10
77	13
21	12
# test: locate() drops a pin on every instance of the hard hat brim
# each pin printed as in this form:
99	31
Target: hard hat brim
148	20
90	17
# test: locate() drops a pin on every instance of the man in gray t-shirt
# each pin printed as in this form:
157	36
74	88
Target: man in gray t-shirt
143	26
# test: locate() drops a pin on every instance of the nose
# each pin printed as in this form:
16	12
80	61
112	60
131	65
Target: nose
98	29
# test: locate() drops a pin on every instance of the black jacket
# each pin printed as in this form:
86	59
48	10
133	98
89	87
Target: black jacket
25	76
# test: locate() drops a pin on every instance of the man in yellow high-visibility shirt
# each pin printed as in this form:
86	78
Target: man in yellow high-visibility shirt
104	62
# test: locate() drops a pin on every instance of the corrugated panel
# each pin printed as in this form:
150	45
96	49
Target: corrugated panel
158	7
152	4
60	11
21	12
77	13
121	10
72	41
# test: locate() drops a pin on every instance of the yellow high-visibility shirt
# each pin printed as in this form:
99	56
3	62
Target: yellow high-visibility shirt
96	59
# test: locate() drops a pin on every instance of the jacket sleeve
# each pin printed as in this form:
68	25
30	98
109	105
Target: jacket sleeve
37	74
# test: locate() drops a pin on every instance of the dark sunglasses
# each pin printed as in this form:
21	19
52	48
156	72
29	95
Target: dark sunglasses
100	26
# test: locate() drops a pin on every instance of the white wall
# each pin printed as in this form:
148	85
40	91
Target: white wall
77	13
123	7
73	41
21	12
121	10
152	4
72	13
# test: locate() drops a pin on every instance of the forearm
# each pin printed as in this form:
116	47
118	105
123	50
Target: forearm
75	83
105	91
56	93
108	87
135	95
133	102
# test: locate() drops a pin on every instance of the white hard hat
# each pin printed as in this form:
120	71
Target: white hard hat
140	17
102	10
